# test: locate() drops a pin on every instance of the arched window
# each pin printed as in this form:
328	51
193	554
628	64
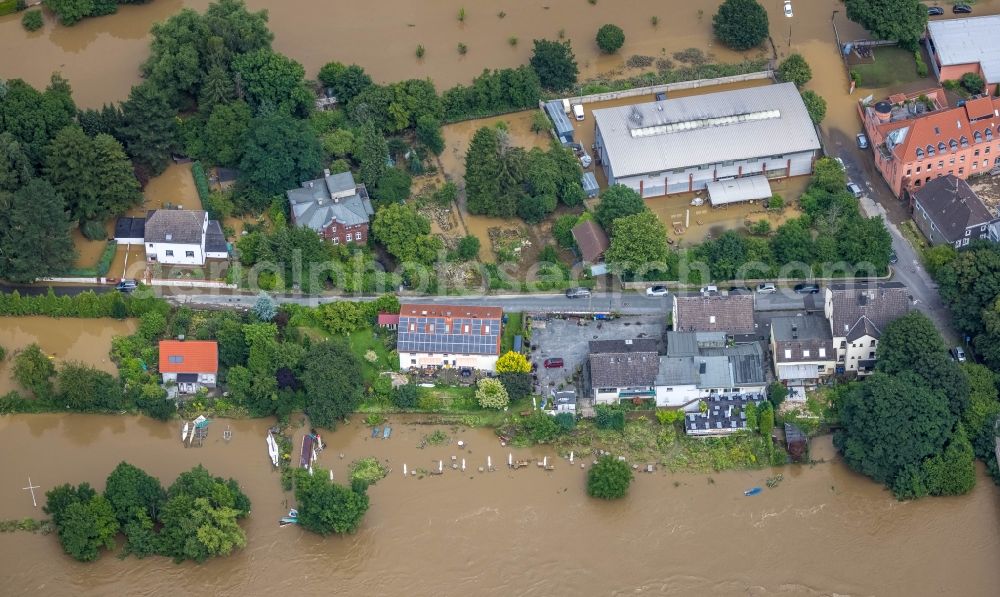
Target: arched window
977	137
963	141
989	134
920	154
942	148
930	150
953	144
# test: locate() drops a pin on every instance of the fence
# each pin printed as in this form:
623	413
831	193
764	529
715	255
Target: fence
654	89
675	285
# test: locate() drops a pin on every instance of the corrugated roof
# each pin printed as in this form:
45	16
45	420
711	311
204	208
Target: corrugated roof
797	371
706	129
189	356
591	239
590	186
969	40
183	226
953	206
564	128
748	188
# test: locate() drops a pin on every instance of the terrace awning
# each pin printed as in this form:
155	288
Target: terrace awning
724	192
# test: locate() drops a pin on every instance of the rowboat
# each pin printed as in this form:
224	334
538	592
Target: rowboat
386	432
184	431
375	431
292	518
752	491
272	449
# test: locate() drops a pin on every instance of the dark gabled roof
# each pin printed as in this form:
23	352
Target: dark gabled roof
807	327
864	327
881	303
449	329
623	346
953	206
623	369
732	314
183	226
126	227
591	240
215	240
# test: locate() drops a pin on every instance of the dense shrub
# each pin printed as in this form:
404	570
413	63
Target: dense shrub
610	38
32	20
609	479
609	417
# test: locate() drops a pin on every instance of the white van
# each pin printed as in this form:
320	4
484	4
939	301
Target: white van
578	111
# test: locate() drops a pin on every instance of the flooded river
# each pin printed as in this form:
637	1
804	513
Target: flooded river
823	531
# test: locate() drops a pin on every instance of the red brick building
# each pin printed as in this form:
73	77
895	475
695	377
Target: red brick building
334	206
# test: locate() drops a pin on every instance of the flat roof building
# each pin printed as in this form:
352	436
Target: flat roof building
970	45
681	145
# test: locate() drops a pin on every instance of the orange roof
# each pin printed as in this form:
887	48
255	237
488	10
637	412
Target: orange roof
450	311
979	108
189	356
943	126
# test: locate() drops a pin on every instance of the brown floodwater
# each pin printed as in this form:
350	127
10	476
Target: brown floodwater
823	531
70	339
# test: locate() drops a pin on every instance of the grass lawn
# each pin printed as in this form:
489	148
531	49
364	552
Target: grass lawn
514	327
892	67
361	342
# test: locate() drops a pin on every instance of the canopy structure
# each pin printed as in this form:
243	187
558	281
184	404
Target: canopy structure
724	192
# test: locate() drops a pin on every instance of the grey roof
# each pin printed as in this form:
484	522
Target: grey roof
127	227
802	335
953	206
732	314
182	226
564	128
705	129
623	369
446	335
215	240
726	367
315	206
590	186
623	346
724	415
864	327
737	190
676	371
881	303
969	40
681	344
714	372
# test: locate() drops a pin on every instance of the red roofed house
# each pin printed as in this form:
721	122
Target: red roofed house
918	137
449	336
191	364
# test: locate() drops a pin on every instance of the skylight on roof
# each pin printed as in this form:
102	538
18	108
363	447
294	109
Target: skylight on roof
690	125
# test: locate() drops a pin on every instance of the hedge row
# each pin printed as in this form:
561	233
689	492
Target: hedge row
87	304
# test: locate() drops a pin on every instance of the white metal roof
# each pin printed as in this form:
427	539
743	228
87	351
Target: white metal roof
965	41
757	122
722	192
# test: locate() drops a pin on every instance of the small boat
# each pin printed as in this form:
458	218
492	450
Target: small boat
375	431
697	202
752	491
292	518
272	449
386	432
184	432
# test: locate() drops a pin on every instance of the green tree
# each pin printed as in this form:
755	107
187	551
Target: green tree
339	143
217	89
86	527
405	233
69	166
60	498
954	471
32	20
371	151
468	248
815	105
149	127
562	230
346	82
752	419
610	38
33	371
265	308
776	394
113	172
82	387
554	63
34	233
405	396
15	167
793	243
518	385
33	118
972	83
490	393
393	187
326	507
70	12
200	517
489	180
333	382
428	132
279	153
609	479
513	362
899	20
741	24
129	487
272	81
795	69
617	201
765	420
639	240
609	417
224	133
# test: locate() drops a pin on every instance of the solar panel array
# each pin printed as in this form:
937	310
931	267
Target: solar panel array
448	335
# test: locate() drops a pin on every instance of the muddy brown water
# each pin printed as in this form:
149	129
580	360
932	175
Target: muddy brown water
823	531
85	340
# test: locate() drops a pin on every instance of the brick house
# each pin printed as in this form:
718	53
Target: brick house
334	206
916	138
445	336
968	45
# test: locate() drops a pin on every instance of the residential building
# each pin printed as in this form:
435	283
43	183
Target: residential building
448	336
623	369
697	367
683	145
858	314
590	240
188	365
948	211
731	314
802	349
725	415
918	137
182	237
334	206
562	401
968	45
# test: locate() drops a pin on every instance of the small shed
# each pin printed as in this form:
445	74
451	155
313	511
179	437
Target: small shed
564	128
589	182
130	231
389	321
796	441
591	240
737	190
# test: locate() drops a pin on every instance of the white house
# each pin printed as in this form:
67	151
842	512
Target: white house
623	369
858	315
189	364
445	336
802	348
183	237
698	366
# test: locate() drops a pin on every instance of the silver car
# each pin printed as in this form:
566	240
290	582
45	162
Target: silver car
578	293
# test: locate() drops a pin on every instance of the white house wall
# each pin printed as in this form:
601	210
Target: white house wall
158	252
410	360
859	350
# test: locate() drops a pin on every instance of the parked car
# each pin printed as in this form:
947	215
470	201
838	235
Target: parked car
934	11
862	141
585	160
553	363
766	288
661	96
127	286
578	293
788	8
578	111
893	258
854	189
958	354
658	290
806	288
706	290
961	9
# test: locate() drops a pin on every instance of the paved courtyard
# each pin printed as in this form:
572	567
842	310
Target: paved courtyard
569	339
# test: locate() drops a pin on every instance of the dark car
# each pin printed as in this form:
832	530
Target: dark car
127	286
553	363
893	258
961	9
934	11
661	96
806	288
578	293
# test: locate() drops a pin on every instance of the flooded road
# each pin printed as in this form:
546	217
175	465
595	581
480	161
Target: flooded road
85	340
823	531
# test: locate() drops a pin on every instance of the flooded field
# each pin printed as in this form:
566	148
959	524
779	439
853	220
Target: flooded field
823	531
70	339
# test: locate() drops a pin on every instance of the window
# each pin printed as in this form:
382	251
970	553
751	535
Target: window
961	158
941	147
940	164
170	253
977	137
963	141
175	359
822	353
711	319
937	131
989	134
465	329
965	242
336	240
486	329
953	145
987	150
920	154
951	162
788	353
961	170
413	361
908	171
930	151
975	165
873	343
975	153
918	170
413	327
982	228
349	237
189	254
805	354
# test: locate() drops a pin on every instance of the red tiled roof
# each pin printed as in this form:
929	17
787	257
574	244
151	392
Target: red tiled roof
189	356
388	319
942	126
418	310
979	108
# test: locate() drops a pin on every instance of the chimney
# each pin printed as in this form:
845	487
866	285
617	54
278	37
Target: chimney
326	172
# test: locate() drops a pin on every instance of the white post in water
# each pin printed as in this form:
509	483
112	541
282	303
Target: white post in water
571	457
331	475
489	463
404	469
545	462
510	460
440	466
463	465
533	404
32	489
687	218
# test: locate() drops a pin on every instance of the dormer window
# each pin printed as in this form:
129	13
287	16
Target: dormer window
930	150
920	154
963	141
989	134
942	148
953	145
977	137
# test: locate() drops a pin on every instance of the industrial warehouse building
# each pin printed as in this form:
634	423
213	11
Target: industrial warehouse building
685	144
